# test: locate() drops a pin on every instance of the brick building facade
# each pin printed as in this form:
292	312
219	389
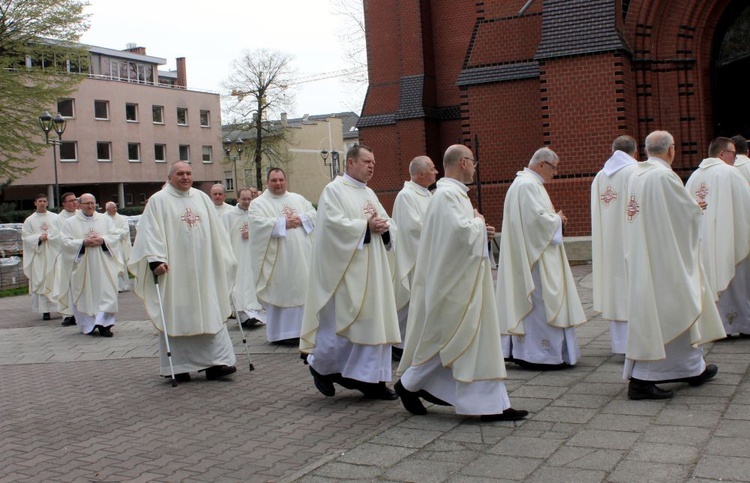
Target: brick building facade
571	74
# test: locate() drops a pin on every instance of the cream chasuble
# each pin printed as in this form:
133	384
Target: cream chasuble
452	312
182	229
124	247
39	258
742	163
223	208
237	223
529	225
93	271
281	256
355	275
608	271
725	225
668	292
408	212
61	277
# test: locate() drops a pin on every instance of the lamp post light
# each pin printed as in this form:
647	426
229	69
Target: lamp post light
48	123
238	146
334	164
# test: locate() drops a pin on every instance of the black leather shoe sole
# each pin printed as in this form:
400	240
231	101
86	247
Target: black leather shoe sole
509	414
382	394
409	400
322	383
710	371
46	316
68	321
217	372
640	390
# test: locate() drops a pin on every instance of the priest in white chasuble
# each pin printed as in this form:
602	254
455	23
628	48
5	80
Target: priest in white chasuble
237	223
408	214
41	246
181	241
742	162
453	351
725	233
124	247
282	227
671	309
537	299
69	203
609	275
350	320
218	195
90	254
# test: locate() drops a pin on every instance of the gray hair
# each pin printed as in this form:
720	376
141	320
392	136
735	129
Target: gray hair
541	155
417	165
626	144
109	203
658	142
220	186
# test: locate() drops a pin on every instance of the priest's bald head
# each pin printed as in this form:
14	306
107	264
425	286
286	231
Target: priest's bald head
459	163
88	204
660	144
422	171
180	176
218	194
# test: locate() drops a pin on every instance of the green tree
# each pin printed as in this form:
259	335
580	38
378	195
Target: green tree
38	53
261	89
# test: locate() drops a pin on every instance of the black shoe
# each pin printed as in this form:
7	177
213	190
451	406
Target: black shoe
396	353
181	377
535	366
509	414
105	331
379	391
68	321
45	316
216	372
323	383
410	400
639	390
710	371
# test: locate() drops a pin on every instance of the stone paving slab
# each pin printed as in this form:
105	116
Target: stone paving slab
82	408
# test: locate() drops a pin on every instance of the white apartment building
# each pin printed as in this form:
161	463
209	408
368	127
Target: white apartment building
126	123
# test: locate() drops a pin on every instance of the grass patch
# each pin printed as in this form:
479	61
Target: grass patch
12	292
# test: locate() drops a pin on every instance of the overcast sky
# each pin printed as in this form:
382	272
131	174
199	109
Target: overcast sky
211	34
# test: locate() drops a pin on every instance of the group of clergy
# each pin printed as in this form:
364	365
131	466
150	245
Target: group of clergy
670	261
75	262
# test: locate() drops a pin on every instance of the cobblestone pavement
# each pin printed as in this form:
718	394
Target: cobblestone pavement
81	408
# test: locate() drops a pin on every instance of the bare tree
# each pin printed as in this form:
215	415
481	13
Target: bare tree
352	37
38	62
260	87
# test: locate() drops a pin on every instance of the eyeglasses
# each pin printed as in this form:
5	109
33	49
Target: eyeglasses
554	168
473	161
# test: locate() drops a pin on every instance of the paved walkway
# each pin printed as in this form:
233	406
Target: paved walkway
81	408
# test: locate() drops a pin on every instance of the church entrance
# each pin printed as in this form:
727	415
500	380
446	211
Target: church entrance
731	72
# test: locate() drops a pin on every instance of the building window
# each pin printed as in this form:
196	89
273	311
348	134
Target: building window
101	110
185	152
207	154
131	112
66	107
182	116
160	153
69	151
158	113
134	152
228	181
142	198
103	151
205	118
129	198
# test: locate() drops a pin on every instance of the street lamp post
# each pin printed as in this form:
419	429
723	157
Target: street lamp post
334	164
238	146
48	123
